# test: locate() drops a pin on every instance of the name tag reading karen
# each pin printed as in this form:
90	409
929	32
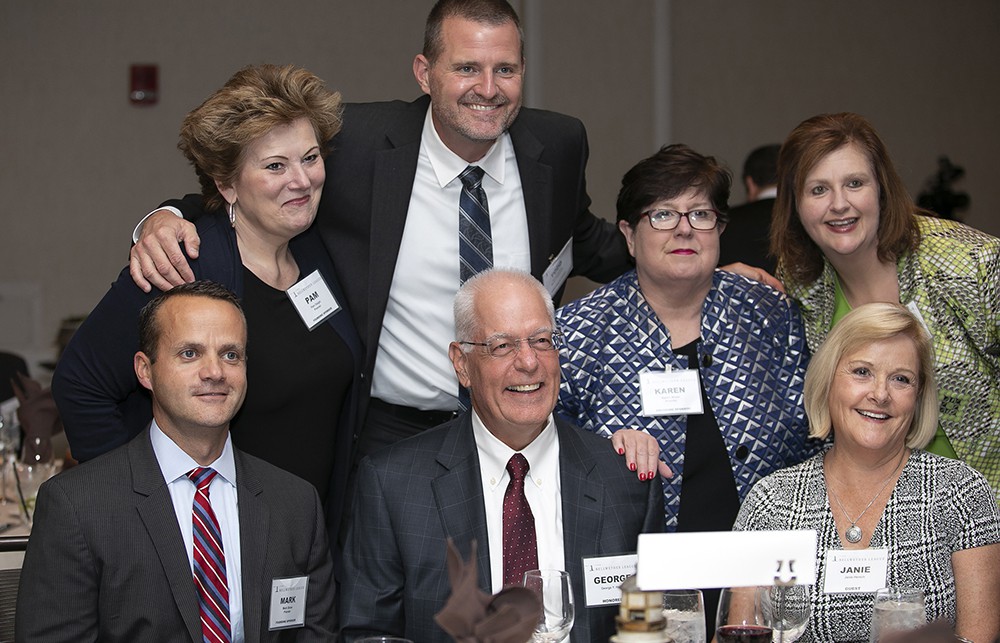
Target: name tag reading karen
855	571
288	602
604	575
670	393
313	300
555	275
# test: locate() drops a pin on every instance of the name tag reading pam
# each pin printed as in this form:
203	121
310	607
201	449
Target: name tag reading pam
855	571
313	300
288	602
670	393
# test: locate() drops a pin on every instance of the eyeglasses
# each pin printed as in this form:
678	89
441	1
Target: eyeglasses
705	219
503	346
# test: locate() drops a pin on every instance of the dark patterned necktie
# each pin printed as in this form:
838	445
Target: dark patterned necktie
209	562
475	243
520	550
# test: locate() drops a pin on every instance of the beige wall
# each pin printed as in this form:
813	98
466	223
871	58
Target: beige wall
80	164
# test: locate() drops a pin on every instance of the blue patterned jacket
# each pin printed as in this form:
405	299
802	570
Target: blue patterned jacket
752	358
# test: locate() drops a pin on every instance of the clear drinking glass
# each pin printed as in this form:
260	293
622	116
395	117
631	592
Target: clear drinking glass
556	592
684	610
787	608
741	617
897	609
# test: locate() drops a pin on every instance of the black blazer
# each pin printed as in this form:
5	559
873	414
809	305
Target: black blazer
106	561
413	495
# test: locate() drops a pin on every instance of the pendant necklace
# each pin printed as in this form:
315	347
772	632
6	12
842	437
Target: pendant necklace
854	533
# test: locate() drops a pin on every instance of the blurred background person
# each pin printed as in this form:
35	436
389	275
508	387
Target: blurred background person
871	384
749	227
735	346
847	233
257	148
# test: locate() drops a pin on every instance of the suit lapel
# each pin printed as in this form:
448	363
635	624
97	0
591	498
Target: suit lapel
582	504
254	519
458	492
392	184
157	514
536	185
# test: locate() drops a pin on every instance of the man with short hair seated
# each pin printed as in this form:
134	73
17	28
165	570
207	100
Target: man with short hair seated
532	490
177	536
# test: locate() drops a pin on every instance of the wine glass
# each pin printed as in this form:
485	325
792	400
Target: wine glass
8	451
553	587
741	617
684	610
897	609
787	608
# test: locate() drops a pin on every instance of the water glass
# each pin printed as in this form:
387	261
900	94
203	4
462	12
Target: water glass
897	609
27	479
684	610
556	592
787	608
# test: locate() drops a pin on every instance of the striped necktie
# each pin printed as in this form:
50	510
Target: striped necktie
475	243
209	562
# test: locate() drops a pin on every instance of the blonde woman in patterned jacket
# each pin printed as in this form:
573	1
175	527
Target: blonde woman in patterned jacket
847	233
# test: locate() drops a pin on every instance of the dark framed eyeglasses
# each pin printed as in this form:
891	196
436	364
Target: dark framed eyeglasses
702	219
503	346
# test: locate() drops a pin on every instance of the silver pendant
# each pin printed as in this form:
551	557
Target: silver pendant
853	534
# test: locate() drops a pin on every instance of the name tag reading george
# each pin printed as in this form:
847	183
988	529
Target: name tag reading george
603	576
288	602
555	275
855	571
313	300
670	393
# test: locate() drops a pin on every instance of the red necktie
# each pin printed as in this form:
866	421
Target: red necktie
209	562
520	551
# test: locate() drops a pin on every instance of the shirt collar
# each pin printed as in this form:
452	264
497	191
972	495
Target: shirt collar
174	462
767	193
448	166
542	453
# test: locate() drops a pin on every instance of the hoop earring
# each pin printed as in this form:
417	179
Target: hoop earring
232	214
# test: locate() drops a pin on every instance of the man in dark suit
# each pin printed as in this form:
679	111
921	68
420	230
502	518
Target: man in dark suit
453	481
747	236
389	213
121	545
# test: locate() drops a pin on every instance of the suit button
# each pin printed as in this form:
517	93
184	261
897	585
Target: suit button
742	452
706	361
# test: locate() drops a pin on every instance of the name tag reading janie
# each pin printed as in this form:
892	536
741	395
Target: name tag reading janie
855	570
670	393
313	300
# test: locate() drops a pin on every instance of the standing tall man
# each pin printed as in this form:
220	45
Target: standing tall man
177	536
398	175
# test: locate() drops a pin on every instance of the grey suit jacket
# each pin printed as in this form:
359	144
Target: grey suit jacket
106	560
415	494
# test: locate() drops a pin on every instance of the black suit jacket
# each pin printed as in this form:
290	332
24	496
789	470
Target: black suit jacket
747	236
370	175
106	560
413	495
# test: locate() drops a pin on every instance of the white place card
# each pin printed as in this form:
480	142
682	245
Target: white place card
725	559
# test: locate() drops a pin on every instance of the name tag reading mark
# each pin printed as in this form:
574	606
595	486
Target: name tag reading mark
670	393
555	275
313	300
288	602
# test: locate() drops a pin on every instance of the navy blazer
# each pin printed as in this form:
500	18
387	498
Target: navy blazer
101	402
106	561
413	495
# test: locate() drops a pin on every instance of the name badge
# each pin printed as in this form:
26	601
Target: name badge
603	576
288	602
855	571
670	392
313	300
555	275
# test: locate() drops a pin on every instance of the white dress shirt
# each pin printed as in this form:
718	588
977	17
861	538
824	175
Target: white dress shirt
175	464
542	488
412	367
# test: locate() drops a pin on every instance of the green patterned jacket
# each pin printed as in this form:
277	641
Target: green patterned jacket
953	278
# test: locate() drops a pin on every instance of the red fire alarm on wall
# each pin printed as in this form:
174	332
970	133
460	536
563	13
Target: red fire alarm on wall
143	84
